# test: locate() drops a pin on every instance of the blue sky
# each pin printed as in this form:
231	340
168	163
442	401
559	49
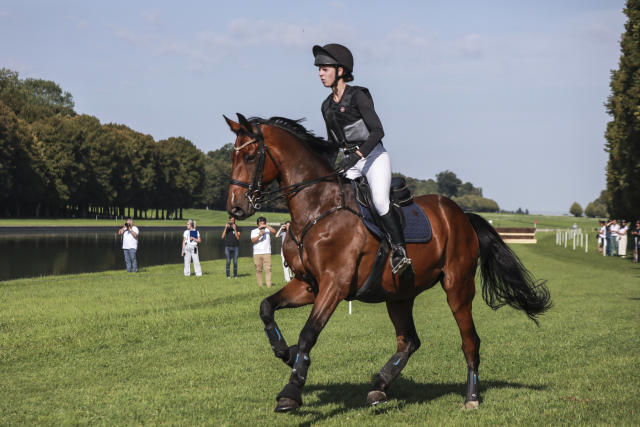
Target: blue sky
508	95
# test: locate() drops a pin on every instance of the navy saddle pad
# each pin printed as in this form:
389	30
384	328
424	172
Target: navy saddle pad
417	228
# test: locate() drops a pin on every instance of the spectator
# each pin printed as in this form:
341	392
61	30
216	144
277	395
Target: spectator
261	239
282	233
602	237
190	240
231	236
129	233
622	239
615	228
636	241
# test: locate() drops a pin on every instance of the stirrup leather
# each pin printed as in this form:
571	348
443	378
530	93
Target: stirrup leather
399	260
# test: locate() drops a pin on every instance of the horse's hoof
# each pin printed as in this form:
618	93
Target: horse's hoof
375	397
286	405
471	404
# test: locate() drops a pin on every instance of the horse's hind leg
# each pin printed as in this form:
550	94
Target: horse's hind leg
460	294
295	294
401	314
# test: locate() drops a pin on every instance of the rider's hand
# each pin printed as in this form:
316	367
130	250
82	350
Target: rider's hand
348	162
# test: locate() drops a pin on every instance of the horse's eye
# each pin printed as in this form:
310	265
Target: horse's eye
250	158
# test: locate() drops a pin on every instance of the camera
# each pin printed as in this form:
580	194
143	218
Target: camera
126	225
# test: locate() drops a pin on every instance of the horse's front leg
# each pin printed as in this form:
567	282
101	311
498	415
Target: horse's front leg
290	397
295	294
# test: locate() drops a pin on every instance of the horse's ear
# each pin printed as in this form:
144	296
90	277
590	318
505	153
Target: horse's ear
235	127
245	123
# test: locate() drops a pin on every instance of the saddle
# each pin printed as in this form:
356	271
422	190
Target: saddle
415	225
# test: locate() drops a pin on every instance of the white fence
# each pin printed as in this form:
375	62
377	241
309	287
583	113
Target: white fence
574	238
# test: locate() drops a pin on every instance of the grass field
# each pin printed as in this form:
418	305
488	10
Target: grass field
158	348
203	217
212	218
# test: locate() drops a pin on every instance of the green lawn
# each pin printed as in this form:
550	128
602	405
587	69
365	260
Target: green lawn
203	217
158	348
212	218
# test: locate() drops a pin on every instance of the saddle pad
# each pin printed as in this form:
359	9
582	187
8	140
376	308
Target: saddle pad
417	228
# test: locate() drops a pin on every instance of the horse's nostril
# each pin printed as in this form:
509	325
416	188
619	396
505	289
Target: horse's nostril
237	212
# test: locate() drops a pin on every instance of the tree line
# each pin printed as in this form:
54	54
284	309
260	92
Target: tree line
55	162
623	131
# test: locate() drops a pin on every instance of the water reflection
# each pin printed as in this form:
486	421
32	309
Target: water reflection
38	252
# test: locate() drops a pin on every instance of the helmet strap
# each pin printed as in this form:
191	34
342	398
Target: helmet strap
337	78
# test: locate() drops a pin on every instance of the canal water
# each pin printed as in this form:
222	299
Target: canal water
40	251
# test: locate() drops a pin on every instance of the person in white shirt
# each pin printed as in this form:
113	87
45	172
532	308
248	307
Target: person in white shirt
602	237
614	228
622	239
282	233
190	240
261	239
129	233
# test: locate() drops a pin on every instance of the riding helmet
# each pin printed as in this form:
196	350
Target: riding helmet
333	54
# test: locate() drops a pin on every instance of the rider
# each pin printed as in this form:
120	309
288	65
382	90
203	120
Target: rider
353	125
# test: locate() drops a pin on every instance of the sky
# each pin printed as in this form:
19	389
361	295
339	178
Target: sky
509	95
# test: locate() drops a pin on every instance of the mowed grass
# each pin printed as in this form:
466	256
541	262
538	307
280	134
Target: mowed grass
205	217
158	348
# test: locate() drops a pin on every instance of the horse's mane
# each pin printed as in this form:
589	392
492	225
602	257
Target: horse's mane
321	146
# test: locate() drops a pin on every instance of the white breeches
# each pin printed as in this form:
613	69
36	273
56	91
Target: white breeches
376	167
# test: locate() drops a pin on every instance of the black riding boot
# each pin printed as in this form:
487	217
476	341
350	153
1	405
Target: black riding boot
399	259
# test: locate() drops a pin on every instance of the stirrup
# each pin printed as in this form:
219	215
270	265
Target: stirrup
402	264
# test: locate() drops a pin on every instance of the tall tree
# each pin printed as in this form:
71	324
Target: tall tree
623	131
448	183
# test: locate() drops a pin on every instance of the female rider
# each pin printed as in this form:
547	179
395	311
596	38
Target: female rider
354	126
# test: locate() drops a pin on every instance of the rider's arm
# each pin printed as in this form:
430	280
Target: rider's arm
376	132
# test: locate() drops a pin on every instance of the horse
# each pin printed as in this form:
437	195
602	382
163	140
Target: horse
331	254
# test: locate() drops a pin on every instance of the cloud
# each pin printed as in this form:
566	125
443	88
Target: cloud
152	17
79	23
209	46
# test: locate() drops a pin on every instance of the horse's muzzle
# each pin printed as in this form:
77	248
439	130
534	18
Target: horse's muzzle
238	213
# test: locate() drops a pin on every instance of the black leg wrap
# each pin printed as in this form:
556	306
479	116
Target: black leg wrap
390	371
472	386
293	352
277	341
300	368
291	392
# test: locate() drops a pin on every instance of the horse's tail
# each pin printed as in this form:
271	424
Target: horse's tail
505	281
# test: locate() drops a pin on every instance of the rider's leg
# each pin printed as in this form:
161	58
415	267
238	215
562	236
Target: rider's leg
399	259
378	172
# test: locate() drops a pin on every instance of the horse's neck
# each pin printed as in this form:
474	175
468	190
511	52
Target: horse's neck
313	200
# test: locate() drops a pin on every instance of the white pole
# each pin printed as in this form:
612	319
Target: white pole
574	243
349	307
586	243
565	239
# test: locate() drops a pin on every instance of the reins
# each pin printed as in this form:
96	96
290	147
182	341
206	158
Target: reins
257	196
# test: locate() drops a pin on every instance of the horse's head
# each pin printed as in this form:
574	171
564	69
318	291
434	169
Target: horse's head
252	168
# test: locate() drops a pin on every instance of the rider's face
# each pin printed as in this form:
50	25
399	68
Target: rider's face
327	75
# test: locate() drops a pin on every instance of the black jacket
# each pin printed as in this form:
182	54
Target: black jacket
356	104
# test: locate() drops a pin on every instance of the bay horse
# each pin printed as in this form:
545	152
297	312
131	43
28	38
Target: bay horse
331	254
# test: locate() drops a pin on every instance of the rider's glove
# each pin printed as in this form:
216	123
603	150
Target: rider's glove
348	161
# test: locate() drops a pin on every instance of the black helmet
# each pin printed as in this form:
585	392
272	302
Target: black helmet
334	54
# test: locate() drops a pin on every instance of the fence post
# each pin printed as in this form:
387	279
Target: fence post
586	243
566	235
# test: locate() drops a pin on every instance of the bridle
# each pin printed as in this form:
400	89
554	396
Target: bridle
255	194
